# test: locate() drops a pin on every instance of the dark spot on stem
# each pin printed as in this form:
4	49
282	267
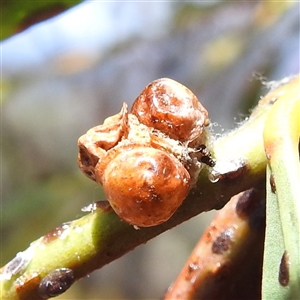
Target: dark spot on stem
268	154
56	282
252	206
223	242
245	204
284	277
272	183
26	284
54	233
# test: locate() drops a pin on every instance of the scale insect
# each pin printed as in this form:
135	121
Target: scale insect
147	159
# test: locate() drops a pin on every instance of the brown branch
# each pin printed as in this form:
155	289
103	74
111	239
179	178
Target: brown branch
227	261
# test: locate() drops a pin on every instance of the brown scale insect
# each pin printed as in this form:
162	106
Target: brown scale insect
148	160
283	276
56	282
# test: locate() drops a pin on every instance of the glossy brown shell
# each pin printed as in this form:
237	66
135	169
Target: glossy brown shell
147	160
172	108
144	185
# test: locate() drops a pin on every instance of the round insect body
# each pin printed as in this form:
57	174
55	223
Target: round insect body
173	109
56	282
147	160
144	185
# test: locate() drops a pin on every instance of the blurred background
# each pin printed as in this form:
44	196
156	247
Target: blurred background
64	75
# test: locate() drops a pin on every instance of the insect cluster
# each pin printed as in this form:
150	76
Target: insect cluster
148	159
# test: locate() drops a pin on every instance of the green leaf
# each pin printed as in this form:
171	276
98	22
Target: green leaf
281	269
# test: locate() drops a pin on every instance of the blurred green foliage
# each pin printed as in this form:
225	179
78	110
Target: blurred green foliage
17	15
